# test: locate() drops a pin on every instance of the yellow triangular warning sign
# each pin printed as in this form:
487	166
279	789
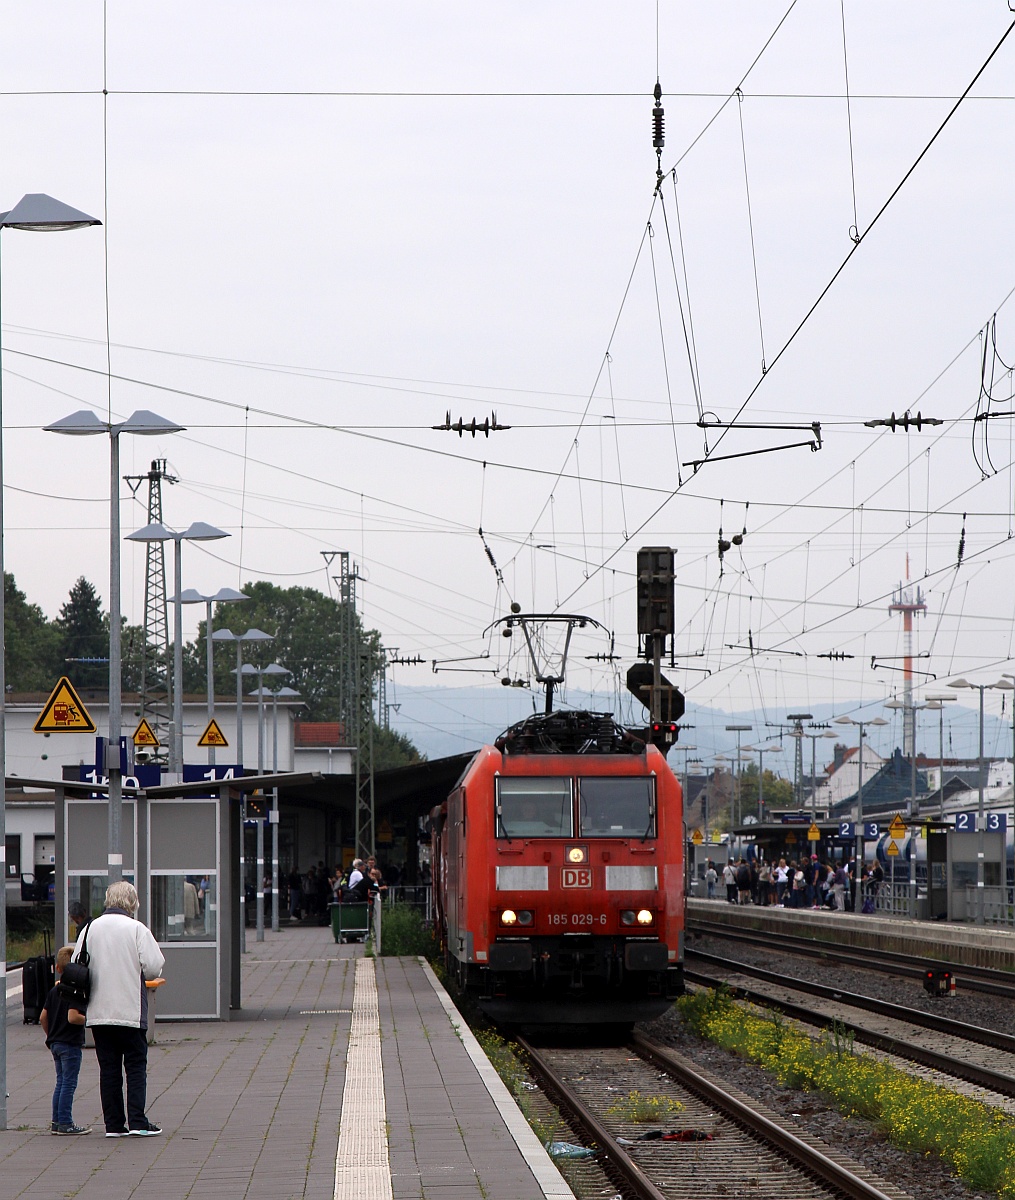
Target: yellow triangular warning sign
64	712
696	837
212	736
144	735
893	850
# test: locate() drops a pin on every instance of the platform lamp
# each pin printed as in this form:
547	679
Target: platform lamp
825	733
226	595
142	423
761	751
262	691
861	726
937	704
1004	685
199	531
34	213
738	730
252	635
283	693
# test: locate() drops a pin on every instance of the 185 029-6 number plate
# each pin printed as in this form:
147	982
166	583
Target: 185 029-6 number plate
576	920
576	877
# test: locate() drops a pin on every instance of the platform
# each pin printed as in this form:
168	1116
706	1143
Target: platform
344	1077
967	944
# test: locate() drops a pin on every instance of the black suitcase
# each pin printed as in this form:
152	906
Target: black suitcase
38	975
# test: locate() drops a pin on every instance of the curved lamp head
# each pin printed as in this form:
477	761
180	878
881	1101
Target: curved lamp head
227	595
155	532
39	213
199	531
82	423
275	669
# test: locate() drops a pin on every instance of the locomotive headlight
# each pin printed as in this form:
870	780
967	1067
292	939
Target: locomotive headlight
509	917
644	916
524	917
627	916
577	854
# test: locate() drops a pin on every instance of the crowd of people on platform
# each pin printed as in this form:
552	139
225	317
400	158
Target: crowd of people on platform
311	894
804	883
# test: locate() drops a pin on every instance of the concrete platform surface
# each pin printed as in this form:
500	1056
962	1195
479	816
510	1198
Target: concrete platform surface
285	1101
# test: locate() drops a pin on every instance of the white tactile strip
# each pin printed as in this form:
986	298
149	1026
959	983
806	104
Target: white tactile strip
539	1162
362	1170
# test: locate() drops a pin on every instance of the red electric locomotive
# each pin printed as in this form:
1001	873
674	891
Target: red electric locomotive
558	875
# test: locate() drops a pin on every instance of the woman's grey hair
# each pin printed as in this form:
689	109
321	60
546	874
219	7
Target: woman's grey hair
122	895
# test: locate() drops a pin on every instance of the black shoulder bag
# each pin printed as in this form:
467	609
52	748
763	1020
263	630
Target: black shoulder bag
75	979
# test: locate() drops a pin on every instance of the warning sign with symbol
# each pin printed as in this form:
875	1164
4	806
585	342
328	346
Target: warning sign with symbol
64	712
212	736
898	827
144	735
892	851
696	837
813	833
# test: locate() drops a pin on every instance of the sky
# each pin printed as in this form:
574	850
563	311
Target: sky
328	225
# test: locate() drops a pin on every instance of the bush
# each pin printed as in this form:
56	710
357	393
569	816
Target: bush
403	931
976	1139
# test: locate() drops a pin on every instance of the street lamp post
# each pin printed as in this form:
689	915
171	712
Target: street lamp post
224	595
938	702
287	693
262	691
252	635
825	733
861	726
197	532
35	213
1003	685
85	423
738	730
761	751
914	807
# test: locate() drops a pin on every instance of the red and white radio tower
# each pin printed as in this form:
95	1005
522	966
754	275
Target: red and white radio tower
908	600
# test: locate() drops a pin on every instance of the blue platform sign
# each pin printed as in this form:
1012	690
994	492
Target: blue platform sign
196	772
965	822
847	829
997	822
872	830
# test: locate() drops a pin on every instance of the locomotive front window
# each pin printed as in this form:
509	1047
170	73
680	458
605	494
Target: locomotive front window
616	807
533	807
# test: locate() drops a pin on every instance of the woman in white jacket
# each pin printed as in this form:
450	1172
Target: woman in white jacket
122	955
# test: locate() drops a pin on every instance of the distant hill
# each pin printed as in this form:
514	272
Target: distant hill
450	720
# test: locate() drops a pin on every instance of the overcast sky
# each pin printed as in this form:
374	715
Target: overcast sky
454	217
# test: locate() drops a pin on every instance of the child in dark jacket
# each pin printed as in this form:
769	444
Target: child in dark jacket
63	1023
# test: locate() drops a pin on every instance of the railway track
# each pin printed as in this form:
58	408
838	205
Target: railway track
744	1150
969	978
956	1052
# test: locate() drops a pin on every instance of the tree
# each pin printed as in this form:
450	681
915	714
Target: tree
775	792
308	640
83	634
32	659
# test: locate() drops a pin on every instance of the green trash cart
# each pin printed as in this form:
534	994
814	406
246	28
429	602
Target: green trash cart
350	921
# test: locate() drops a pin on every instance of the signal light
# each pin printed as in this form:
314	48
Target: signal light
937	982
644	917
577	854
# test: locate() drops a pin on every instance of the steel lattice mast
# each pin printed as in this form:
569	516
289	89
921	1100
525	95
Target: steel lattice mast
155	644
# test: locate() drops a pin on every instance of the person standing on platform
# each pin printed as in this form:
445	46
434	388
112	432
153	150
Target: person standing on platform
63	1023
122	954
711	878
729	878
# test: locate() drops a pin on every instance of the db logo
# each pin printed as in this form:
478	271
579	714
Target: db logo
576	877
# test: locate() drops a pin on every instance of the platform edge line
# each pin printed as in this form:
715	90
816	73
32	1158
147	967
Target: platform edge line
550	1180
